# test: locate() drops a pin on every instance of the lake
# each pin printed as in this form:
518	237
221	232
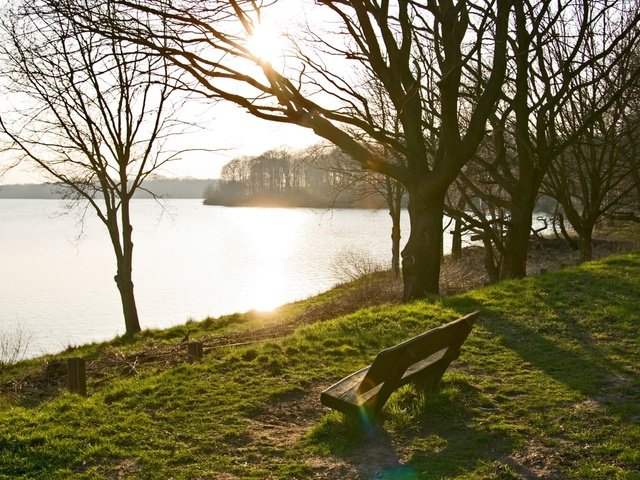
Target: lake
190	261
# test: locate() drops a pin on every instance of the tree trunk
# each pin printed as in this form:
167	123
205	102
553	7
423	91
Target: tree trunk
491	264
636	180
124	279
585	242
514	262
456	240
394	203
129	309
563	229
421	255
395	242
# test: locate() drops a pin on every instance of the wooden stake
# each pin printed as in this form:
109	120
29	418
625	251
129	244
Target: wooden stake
77	379
194	351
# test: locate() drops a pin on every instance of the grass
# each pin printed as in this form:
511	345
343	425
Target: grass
547	386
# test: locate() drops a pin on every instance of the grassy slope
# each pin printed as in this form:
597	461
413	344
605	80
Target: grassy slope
547	386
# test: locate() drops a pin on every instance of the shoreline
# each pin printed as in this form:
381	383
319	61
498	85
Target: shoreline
458	276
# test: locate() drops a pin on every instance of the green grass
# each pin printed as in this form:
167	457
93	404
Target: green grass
547	386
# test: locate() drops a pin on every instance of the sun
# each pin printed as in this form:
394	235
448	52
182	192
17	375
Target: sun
266	42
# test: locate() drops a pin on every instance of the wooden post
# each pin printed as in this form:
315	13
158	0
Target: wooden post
194	351
77	379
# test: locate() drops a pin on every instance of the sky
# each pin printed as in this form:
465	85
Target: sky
226	131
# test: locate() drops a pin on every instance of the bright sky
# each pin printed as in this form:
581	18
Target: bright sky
227	130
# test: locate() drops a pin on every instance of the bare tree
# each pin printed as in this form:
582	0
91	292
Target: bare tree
481	209
593	178
563	54
363	184
370	182
92	114
441	65
556	47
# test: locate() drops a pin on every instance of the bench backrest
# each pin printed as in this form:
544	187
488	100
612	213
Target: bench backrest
391	363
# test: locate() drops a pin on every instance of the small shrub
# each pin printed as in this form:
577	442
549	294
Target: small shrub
351	265
249	355
13	346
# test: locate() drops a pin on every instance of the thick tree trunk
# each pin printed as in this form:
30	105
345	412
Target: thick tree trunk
421	255
514	262
585	242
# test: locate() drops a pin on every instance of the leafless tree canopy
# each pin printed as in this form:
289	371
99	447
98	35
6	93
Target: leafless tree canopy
438	68
572	62
90	111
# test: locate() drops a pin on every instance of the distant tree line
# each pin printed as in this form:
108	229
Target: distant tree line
318	176
154	187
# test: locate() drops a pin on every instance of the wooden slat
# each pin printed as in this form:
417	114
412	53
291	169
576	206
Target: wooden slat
399	357
417	367
341	389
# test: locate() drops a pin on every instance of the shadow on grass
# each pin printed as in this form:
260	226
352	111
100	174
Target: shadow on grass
578	328
576	344
437	429
28	458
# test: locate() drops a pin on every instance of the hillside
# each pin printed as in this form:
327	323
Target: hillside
547	386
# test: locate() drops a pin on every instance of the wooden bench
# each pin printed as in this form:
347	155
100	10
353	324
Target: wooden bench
422	359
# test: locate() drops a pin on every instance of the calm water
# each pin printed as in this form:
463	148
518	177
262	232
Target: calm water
190	261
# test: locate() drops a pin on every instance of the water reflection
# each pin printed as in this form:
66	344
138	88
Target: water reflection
269	252
198	261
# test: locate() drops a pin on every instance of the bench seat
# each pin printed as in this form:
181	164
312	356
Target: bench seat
421	359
